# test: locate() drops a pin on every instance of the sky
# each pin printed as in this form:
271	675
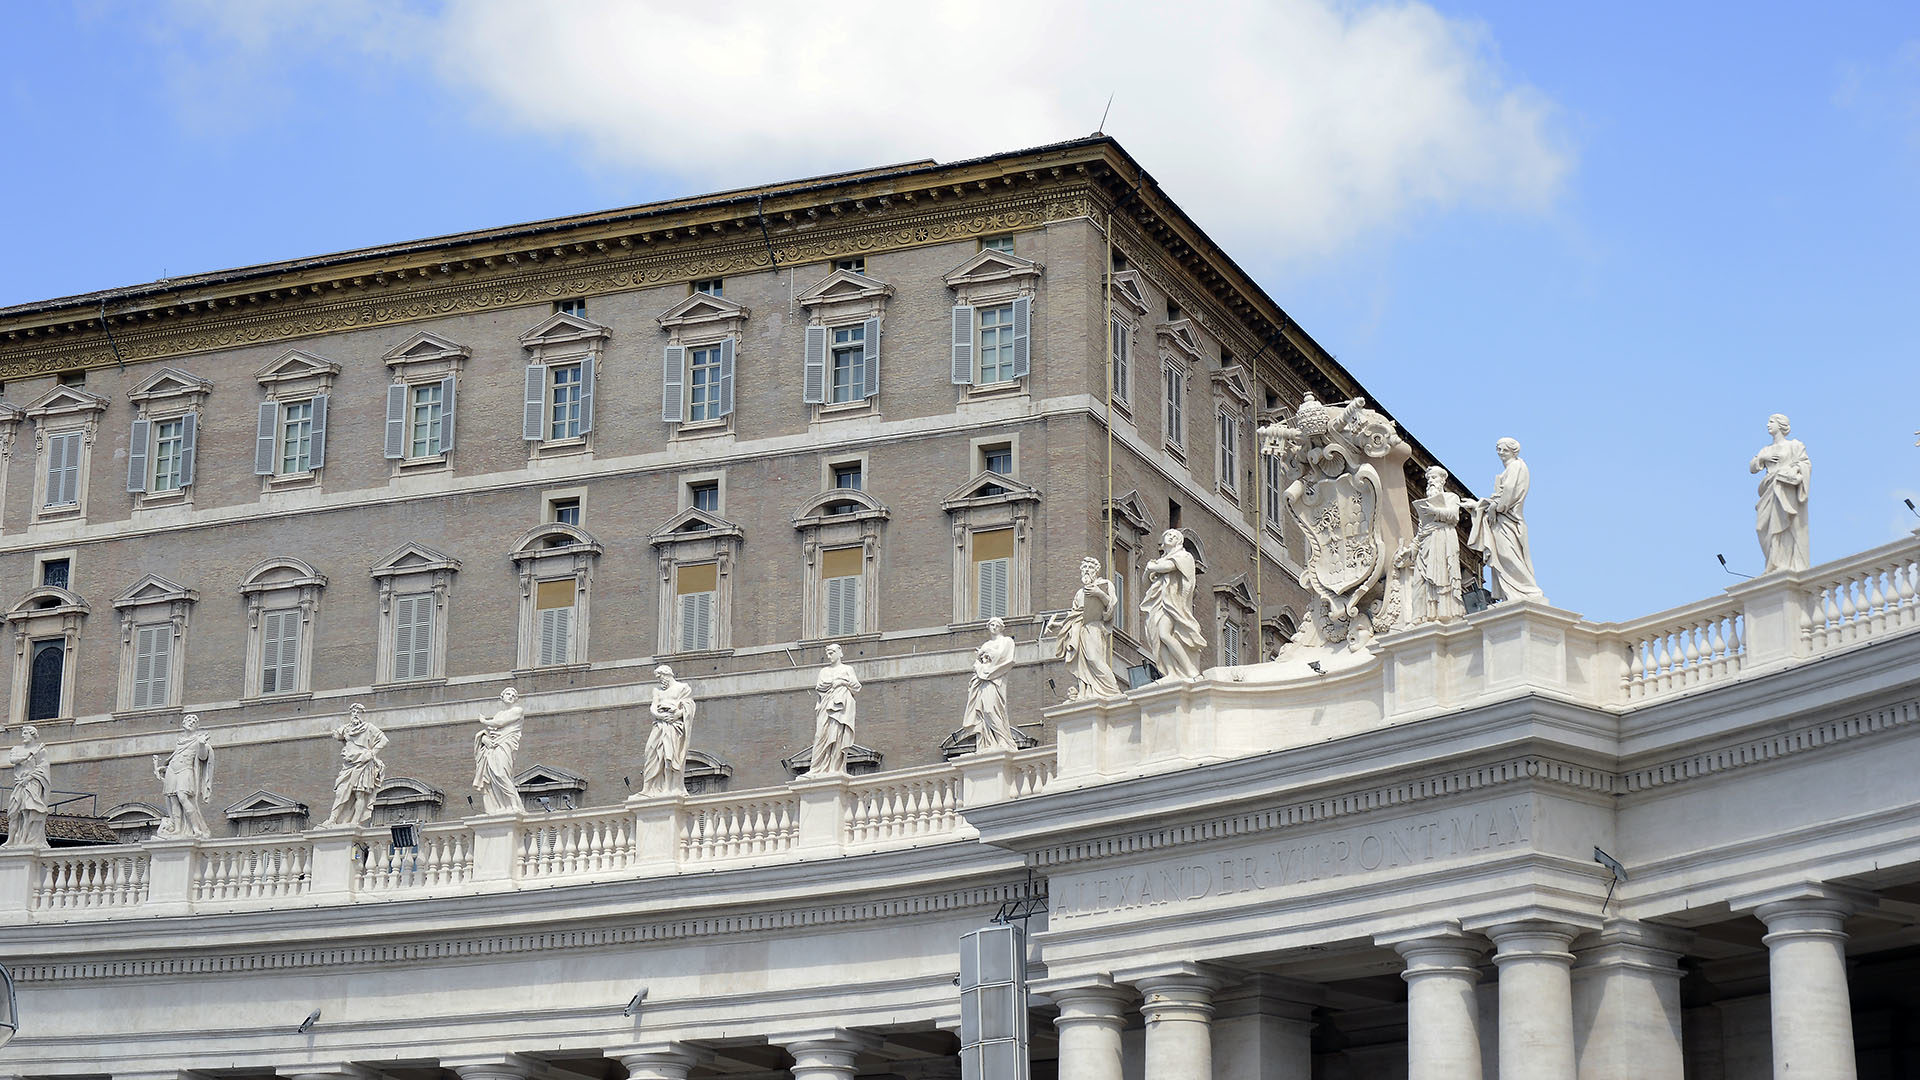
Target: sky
1623	234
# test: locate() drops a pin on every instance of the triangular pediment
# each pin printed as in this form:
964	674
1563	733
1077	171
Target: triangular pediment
702	308
66	399
265	803
410	558
1231	382
297	364
425	346
553	537
693	522
1128	294
539	778
152	589
987	488
168	382
844	285
990	265
1235	589
1132	510
839	504
563	327
11	413
1179	338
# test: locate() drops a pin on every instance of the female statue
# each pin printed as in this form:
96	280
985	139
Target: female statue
1172	635
1086	634
27	806
493	749
665	771
361	770
1782	512
186	779
833	716
986	714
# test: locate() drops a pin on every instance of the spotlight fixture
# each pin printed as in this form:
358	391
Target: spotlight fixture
1315	665
307	1024
633	1006
1729	569
545	801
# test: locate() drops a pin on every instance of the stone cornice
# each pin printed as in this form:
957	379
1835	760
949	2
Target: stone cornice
1771	747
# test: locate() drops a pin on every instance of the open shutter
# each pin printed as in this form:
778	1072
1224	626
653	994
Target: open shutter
1022	350
531	420
870	356
446	413
963	345
189	445
319	457
263	438
396	421
586	395
673	371
137	446
813	382
726	377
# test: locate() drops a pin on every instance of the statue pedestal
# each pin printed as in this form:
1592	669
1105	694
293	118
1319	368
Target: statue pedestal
656	829
985	777
333	858
17	866
823	813
170	877
495	839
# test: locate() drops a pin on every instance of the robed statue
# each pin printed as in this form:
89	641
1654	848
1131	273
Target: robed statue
1781	516
665	770
27	803
1085	634
1499	531
493	748
361	770
186	779
1172	635
833	716
987	718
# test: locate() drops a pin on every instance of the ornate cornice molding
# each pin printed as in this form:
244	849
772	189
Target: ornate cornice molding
1771	748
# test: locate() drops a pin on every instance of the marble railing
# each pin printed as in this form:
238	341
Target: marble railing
807	819
1682	648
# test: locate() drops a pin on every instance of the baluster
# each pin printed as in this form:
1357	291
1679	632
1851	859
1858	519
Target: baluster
1736	644
1848	611
1876	603
1662	674
1689	636
1903	576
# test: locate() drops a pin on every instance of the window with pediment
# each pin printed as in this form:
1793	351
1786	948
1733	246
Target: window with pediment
290	436
840	531
992	517
1233	614
46	627
1232	405
1133	532
696	368
267	813
164	441
65	420
696	549
1179	358
153	633
283	599
992	322
421	400
11	416
840	374
413	581
1128	308
403	799
555	564
562	371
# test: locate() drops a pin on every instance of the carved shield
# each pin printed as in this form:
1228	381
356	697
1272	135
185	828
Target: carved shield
1339	516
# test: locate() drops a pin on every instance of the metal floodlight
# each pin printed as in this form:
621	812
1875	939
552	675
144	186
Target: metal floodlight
633	1006
1729	569
1911	509
404	836
307	1024
1314	666
993	1003
1478	598
1610	863
10	1017
545	801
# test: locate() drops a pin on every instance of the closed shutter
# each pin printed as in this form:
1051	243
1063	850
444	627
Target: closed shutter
1022	350
696	621
413	636
63	469
963	345
533	421
726	377
279	650
1230	644
673	373
152	665
189	446
138	444
870	356
813	380
396	421
556	636
586	395
992	586
264	438
843	606
446	413
319	458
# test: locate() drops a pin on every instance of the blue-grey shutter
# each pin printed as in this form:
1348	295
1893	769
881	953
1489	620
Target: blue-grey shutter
1022	318
531	423
673	372
813	379
586	395
446	413
396	421
264	438
870	356
319	458
189	445
963	345
726	377
137	444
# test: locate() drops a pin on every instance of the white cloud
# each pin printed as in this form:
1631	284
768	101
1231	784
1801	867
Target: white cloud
1293	127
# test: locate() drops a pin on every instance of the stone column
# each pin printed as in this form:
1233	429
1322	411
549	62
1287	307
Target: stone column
1089	1025
502	1067
1443	1015
670	1062
1536	998
1263	1029
1179	1014
1626	1004
1807	977
827	1055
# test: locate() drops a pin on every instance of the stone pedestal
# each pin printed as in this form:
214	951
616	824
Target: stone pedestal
985	777
333	859
1263	1030
495	846
1536	999
823	813
1089	1027
1626	1004
170	877
656	829
17	866
1812	1013
1443	1014
1179	1013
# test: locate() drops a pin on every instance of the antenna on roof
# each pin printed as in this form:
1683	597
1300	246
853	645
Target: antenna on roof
1102	129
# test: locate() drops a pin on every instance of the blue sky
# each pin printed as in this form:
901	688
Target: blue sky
1623	235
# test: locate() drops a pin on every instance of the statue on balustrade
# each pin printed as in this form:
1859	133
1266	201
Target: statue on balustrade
665	770
1782	511
493	748
987	716
186	779
1499	530
1426	583
833	716
27	804
1086	634
1172	635
1333	490
361	770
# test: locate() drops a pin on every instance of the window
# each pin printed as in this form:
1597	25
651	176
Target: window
565	398
160	450
842	363
564	511
1176	407
73	378
168	436
1173	514
704	496
991	339
56	572
856	265
849	377
1117	566
296	438
553	611
560	384
1121	347
706	373
412	636
1119	262
1229	453
279	650
419	420
710	287
703	384
152	664
996	345
576	307
841	571
48	672
1230	644
696	589
1173	310
291	438
993	563
65	420
1270	490
63	469
997	458
1002	244
414	581
847	477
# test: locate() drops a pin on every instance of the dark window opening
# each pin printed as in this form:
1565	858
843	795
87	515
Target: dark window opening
43	686
55	572
1173	514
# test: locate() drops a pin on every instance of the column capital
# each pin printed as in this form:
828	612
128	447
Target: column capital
1436	949
1806	897
827	1052
1177	996
660	1061
1091	1003
1275	996
1625	943
495	1067
326	1071
1532	939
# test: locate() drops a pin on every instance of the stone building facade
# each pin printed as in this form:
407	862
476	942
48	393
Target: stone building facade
713	432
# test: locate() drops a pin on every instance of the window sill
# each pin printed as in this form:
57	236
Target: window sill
1229	494
407	684
292	481
178	498
705	429
1009	388
981	624
842	410
551	669
1179	452
406	466
1122	409
278	698
558	448
850	639
694	654
142	714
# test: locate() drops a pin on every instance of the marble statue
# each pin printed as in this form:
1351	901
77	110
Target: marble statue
361	770
186	779
987	716
1782	511
1334	492
1172	635
1085	633
665	770
833	716
27	805
1426	585
1499	531
493	749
